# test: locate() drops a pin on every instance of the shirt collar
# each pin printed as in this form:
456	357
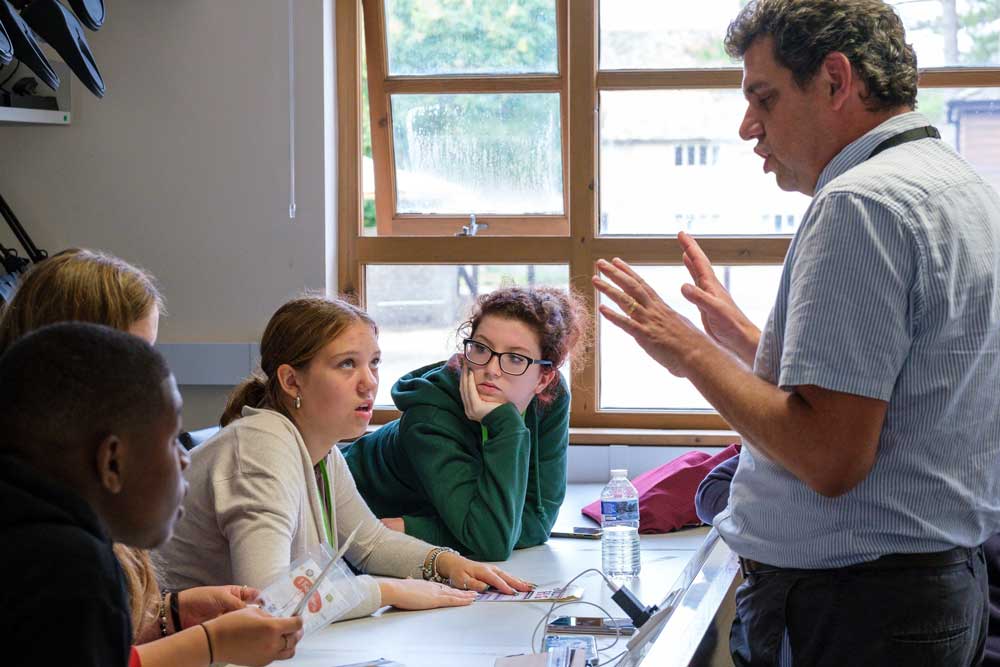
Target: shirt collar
858	150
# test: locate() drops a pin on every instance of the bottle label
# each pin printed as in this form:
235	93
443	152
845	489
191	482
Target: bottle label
620	510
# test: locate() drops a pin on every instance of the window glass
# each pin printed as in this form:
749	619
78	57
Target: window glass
418	309
444	37
947	33
486	153
672	160
631	380
653	34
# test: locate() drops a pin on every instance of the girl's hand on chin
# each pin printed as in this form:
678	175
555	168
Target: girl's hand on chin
476	408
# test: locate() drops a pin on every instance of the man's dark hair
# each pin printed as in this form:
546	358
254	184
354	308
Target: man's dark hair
71	384
868	32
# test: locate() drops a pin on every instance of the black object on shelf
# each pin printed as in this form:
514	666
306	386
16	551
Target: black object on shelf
25	47
63	31
29	101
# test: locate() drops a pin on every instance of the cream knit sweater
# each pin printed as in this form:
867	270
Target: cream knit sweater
253	507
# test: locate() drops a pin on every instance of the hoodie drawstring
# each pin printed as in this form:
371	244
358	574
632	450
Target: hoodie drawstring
534	462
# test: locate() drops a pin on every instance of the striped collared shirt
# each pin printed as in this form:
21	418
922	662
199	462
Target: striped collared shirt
890	290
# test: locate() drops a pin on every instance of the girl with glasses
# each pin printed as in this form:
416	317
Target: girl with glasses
477	461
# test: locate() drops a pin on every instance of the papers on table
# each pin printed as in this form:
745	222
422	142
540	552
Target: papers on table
537	595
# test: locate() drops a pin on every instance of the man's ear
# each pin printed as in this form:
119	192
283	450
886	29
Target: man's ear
109	463
838	77
288	380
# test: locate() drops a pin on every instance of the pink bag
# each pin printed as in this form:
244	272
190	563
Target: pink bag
666	494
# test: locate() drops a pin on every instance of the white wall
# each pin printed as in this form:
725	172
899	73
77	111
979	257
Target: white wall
183	167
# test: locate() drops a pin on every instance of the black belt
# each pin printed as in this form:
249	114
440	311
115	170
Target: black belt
887	562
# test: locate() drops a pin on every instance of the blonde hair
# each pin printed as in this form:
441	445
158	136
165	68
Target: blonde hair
142	585
295	334
80	285
90	286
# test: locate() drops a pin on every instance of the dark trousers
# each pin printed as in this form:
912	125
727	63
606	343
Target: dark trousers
864	615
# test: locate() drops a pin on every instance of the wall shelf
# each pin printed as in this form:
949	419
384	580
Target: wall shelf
17	116
21	116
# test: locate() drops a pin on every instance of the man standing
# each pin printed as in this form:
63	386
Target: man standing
868	480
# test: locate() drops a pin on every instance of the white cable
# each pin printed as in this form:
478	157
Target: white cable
556	604
291	112
616	659
560	605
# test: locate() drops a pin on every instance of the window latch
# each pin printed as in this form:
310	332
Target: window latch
473	227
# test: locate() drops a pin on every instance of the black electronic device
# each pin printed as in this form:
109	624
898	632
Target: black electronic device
582	532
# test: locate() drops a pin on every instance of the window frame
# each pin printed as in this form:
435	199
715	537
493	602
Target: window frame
572	238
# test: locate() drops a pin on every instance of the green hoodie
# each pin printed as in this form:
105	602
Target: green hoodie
432	467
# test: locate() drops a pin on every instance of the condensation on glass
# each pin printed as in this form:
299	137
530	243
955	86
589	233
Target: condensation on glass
478	153
442	37
630	379
419	308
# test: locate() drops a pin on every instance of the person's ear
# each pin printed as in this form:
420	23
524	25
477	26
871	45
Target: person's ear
110	464
545	378
288	380
838	77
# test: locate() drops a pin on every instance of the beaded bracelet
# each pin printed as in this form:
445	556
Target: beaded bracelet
163	613
429	570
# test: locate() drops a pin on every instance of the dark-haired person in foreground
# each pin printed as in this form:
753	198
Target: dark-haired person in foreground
89	418
868	404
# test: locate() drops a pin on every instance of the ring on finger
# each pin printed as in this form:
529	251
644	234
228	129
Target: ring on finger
631	307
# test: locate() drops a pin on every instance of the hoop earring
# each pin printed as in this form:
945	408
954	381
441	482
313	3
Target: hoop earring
298	401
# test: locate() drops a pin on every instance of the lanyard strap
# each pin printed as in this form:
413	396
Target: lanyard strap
323	481
917	133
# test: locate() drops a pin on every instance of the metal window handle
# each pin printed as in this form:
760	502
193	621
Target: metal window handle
473	227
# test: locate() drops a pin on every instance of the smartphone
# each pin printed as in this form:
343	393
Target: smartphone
583	532
590	625
585	643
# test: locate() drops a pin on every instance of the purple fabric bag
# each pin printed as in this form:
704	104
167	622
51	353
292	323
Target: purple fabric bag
666	494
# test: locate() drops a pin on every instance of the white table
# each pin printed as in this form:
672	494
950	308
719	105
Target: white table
476	635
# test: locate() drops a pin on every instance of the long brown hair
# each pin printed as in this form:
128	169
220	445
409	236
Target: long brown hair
294	335
90	286
558	317
80	285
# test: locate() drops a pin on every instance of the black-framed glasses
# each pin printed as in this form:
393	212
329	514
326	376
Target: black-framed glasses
511	363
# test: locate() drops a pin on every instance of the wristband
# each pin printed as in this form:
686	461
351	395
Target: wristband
208	638
175	610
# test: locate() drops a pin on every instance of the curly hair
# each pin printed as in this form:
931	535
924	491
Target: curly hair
868	32
558	317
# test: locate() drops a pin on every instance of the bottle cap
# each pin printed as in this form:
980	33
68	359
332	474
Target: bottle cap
619	472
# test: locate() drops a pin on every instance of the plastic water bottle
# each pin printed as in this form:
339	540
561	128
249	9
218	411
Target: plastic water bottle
620	527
